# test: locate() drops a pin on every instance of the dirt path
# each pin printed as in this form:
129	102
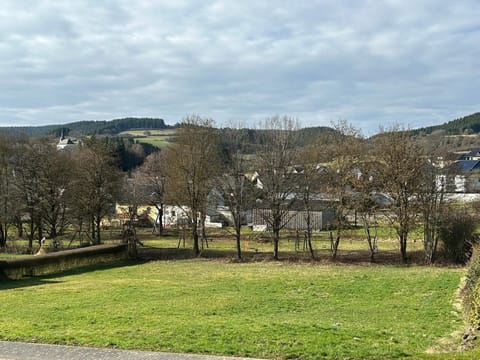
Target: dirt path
26	351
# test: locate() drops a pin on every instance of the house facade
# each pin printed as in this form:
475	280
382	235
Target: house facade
464	176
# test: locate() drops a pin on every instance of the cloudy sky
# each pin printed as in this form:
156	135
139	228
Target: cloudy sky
374	63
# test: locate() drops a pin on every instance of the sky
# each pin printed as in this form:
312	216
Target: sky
372	63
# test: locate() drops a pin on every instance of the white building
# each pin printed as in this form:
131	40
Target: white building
174	215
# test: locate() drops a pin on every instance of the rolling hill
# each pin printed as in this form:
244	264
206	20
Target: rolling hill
469	124
81	128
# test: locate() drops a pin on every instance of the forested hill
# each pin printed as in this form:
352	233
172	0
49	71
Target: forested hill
104	127
251	139
469	124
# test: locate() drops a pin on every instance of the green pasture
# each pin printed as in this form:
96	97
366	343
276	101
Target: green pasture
159	138
261	309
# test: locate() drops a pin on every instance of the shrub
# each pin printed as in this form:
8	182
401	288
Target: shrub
471	291
473	306
457	235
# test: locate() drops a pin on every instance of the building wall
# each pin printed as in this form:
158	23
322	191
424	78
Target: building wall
295	220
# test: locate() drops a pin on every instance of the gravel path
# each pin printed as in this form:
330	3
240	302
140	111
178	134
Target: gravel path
25	351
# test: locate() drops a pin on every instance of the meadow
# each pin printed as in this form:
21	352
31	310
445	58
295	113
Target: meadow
159	138
259	309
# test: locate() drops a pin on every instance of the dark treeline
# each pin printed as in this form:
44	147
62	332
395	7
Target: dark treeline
468	124
130	154
253	139
81	128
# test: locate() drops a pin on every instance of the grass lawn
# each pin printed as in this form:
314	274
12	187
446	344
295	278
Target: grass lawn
259	309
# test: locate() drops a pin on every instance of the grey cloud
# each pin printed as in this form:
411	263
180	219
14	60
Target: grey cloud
368	62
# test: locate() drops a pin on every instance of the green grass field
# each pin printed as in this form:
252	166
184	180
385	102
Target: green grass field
259	309
159	138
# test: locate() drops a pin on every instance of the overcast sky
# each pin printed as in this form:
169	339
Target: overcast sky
373	63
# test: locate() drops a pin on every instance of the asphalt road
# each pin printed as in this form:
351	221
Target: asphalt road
26	351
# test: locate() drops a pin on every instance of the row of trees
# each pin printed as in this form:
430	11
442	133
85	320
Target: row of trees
42	190
351	170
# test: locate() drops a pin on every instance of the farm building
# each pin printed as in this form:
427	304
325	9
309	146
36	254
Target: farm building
295	219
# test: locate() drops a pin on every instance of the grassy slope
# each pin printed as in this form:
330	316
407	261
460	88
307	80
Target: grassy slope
270	310
159	138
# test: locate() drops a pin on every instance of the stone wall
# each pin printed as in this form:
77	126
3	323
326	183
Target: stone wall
62	260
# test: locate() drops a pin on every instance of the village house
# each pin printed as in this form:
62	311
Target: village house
65	144
464	174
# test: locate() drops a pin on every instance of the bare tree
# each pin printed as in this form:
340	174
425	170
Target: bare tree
432	200
154	173
95	185
310	183
401	176
366	201
235	190
55	176
135	193
346	151
192	166
274	161
28	163
8	205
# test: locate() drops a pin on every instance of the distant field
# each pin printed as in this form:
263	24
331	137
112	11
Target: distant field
159	138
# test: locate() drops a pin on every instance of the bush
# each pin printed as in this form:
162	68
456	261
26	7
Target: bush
473	307
457	235
471	291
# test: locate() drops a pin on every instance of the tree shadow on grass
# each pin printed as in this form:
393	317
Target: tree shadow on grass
344	257
27	282
56	277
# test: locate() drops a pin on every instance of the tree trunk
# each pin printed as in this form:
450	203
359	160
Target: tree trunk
160	220
403	246
19	225
204	232
53	232
237	222
31	234
132	242
92	224
309	233
276	240
39	230
310	247
239	248
98	221
334	244
3	239
371	244
196	248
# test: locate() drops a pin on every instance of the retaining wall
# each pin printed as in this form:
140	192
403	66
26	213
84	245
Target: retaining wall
62	260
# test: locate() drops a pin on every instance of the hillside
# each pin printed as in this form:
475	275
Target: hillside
80	128
469	124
